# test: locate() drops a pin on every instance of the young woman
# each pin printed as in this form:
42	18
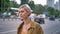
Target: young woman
27	26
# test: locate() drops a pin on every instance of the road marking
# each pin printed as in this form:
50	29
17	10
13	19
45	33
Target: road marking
9	31
56	31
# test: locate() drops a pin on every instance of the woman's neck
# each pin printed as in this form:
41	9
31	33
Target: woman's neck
27	21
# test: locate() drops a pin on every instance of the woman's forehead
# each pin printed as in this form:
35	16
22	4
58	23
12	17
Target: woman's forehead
21	9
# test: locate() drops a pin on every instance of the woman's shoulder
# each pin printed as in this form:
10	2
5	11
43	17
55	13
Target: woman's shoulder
36	24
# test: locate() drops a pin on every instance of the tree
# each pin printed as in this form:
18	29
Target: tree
57	13
24	2
14	4
4	4
0	4
32	5
39	9
52	11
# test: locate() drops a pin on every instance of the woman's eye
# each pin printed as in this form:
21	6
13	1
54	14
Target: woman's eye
22	11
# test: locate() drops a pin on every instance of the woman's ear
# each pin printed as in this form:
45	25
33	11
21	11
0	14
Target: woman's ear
29	13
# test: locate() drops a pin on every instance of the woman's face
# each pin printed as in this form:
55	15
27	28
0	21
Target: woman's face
23	13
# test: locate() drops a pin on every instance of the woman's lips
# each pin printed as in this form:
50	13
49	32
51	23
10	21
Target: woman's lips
20	16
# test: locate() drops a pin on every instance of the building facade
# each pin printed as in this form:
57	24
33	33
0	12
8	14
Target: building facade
59	4
56	6
50	3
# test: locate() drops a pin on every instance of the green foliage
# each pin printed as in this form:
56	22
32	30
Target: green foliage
24	2
2	11
32	5
52	11
57	13
13	4
0	3
39	9
5	3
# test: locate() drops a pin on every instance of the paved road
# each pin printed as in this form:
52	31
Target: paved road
51	27
10	26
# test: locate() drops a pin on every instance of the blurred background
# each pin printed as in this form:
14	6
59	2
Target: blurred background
45	12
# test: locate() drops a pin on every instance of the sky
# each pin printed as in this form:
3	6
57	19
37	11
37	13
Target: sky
43	2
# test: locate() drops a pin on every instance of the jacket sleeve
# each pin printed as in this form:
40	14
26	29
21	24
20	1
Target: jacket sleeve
39	30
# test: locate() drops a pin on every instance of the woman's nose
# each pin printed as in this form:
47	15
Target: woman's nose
20	14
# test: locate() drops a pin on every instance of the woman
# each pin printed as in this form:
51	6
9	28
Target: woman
27	26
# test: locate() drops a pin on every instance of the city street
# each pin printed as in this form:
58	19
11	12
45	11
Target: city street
38	10
10	26
51	27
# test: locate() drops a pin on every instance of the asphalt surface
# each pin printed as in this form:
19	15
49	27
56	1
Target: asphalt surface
51	27
10	26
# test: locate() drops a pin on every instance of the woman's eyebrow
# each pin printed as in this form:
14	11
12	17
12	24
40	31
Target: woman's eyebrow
21	11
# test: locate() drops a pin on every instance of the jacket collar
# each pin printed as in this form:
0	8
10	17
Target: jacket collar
31	25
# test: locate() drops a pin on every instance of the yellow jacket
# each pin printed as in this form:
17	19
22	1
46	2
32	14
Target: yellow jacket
35	28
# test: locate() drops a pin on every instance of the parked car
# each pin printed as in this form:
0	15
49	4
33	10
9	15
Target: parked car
1	15
59	19
39	20
52	18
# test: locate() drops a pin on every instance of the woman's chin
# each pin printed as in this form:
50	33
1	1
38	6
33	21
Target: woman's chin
21	19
